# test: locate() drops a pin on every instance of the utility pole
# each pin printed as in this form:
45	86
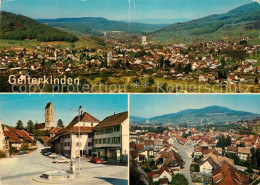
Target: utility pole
79	110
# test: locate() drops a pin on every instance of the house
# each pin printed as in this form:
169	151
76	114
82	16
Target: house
4	141
203	78
162	173
111	137
208	165
54	131
231	149
203	143
133	137
217	158
218	149
243	153
75	139
181	140
169	158
13	139
201	151
228	174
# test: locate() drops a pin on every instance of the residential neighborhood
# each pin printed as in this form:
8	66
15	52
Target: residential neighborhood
170	148
208	157
136	67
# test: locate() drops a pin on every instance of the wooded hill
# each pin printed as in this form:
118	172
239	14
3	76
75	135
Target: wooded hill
19	27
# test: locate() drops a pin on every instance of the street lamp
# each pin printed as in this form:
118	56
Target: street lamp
79	110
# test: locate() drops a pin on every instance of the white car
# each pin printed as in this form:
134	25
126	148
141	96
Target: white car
61	160
52	155
56	156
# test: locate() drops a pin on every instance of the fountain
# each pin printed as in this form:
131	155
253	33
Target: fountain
56	176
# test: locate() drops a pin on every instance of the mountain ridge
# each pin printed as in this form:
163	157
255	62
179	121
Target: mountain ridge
96	25
243	21
207	114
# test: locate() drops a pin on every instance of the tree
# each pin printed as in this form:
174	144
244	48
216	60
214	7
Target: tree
224	141
30	126
223	62
60	123
19	125
150	81
180	67
161	61
256	80
179	179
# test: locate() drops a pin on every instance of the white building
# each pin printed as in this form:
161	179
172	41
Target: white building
69	143
109	58
2	137
243	153
111	138
144	41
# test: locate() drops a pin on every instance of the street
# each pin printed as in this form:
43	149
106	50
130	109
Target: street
185	153
21	170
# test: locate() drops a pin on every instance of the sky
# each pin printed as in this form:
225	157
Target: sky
25	107
148	106
119	9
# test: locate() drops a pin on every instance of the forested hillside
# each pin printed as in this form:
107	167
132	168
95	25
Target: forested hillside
18	27
238	23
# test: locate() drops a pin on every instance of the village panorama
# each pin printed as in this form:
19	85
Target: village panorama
84	150
215	54
194	146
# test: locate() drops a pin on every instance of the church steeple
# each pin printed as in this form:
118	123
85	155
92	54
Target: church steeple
49	116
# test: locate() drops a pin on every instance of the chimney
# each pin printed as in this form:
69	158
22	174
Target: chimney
114	113
81	113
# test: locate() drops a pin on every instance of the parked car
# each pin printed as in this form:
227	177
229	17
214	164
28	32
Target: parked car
45	150
61	160
56	156
95	160
47	153
52	155
21	152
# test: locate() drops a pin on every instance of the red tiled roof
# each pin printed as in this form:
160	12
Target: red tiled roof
82	129
85	117
164	181
40	125
113	120
12	137
55	130
139	147
159	172
230	176
20	133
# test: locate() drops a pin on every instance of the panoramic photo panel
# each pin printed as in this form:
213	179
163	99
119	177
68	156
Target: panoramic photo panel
135	46
194	139
64	139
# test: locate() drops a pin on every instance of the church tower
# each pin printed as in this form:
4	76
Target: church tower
49	116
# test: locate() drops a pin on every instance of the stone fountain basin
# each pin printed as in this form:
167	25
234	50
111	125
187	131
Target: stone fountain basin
57	175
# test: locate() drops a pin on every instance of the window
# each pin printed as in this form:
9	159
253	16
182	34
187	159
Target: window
117	128
79	144
89	143
92	124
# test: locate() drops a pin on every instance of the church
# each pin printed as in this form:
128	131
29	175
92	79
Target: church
49	118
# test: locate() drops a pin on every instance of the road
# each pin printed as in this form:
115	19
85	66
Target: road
185	153
21	170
